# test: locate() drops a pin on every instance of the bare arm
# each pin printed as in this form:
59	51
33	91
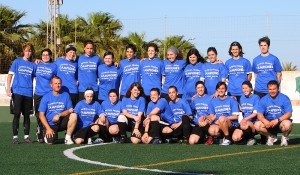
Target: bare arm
8	90
249	77
279	76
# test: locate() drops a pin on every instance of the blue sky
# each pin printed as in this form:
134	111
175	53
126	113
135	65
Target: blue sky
212	23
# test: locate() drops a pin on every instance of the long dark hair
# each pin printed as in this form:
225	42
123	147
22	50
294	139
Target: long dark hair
140	88
195	52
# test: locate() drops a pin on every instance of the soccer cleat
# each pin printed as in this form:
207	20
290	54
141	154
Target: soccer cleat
225	142
69	142
251	142
27	140
123	140
116	139
98	141
209	141
156	141
89	141
270	141
284	141
16	141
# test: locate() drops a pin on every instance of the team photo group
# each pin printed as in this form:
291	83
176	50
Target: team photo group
185	101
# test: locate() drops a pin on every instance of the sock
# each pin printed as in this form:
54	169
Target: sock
68	137
15	137
26	136
155	129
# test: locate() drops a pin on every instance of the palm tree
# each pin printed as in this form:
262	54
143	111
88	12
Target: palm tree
139	41
176	41
289	67
12	35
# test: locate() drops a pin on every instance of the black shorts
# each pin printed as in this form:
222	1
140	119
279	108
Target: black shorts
83	132
131	128
74	99
22	104
61	126
260	94
197	131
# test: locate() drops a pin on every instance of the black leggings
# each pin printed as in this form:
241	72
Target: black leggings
22	105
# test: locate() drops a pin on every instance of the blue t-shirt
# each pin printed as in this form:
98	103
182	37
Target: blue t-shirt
190	76
249	105
180	108
266	69
151	73
165	112
23	72
134	106
87	72
238	71
112	111
213	74
130	73
226	107
109	77
67	71
174	75
87	113
274	108
200	105
44	73
52	105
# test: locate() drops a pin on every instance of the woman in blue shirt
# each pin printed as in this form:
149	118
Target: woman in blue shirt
109	76
239	70
21	91
173	73
45	71
192	73
109	117
67	71
182	115
213	72
248	104
133	107
224	113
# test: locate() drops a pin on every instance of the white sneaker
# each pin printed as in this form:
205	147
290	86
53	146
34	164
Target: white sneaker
284	141
225	142
251	142
274	138
98	141
89	141
270	141
69	142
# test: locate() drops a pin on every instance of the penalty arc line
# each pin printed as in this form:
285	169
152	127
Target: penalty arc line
69	153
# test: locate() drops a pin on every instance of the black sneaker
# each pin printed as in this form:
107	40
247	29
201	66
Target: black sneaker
16	141
28	140
156	141
123	140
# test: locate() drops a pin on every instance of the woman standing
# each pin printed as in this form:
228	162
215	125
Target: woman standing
109	76
87	70
21	91
67	71
192	73
213	72
239	70
173	73
45	71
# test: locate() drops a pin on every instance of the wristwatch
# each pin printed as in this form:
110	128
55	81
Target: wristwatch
278	119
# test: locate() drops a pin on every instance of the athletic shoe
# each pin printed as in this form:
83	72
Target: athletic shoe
116	139
156	141
28	140
271	140
98	141
16	141
251	142
123	139
89	141
225	142
69	142
284	141
209	141
183	141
